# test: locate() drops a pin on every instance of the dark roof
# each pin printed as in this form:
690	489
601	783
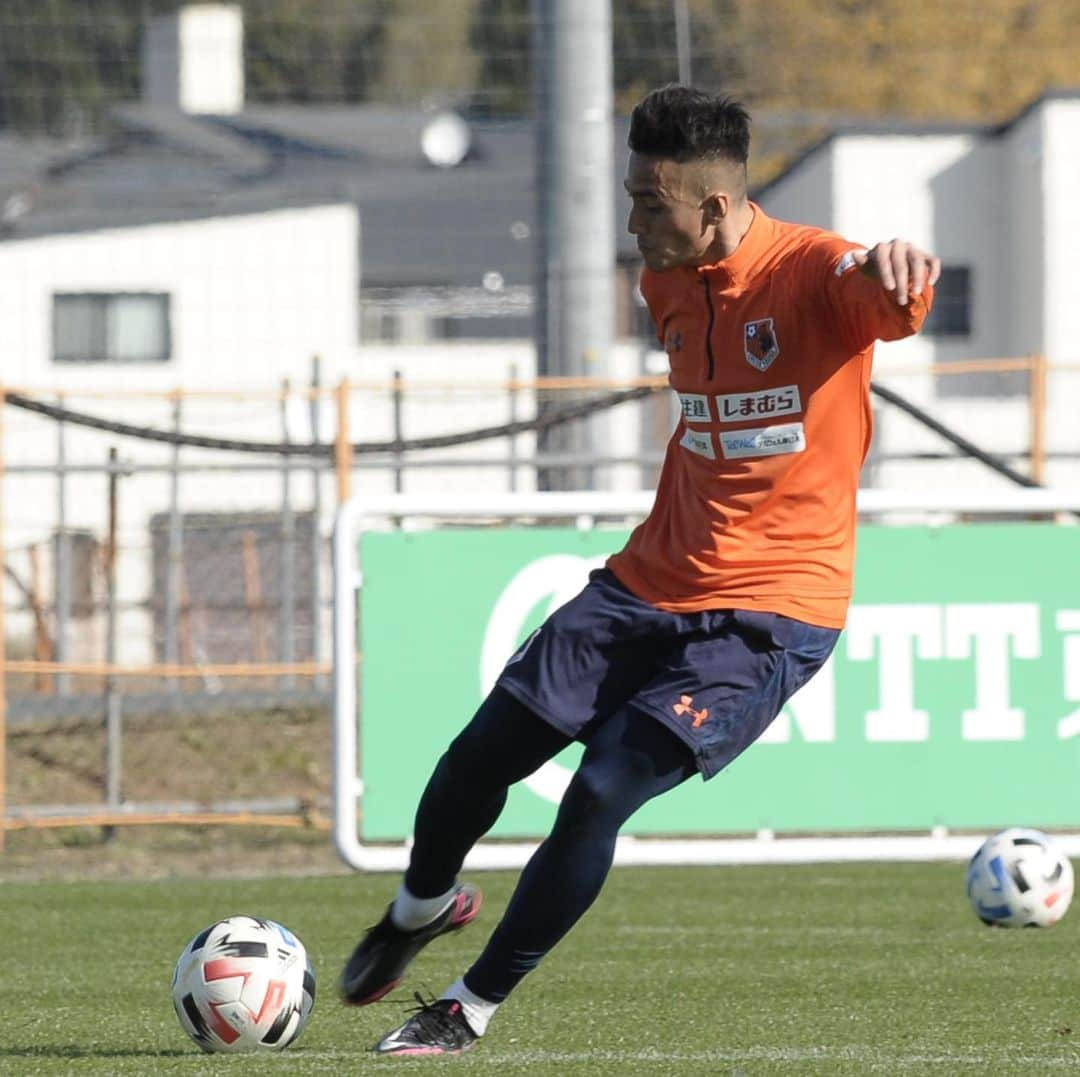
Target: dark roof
420	224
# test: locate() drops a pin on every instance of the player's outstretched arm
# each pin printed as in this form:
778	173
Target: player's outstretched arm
901	267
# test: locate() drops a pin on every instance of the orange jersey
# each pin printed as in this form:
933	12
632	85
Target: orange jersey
770	353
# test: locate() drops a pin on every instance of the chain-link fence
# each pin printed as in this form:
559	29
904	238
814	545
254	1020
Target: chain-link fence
167	573
166	611
167	600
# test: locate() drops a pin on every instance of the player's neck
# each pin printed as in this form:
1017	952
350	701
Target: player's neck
730	233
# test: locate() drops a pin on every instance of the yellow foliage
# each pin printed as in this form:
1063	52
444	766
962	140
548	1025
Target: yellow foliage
427	46
926	59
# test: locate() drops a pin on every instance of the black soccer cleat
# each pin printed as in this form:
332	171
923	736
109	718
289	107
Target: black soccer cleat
436	1028
380	959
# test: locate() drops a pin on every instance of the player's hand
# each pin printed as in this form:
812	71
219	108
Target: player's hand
902	268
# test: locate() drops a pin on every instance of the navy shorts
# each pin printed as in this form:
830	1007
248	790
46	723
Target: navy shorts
716	679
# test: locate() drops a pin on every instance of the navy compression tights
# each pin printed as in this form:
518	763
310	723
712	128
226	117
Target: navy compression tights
630	759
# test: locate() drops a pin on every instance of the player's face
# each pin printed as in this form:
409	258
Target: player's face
668	214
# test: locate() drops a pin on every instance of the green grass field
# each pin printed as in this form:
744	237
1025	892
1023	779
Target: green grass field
740	971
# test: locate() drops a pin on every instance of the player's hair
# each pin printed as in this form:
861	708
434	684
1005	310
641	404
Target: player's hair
683	124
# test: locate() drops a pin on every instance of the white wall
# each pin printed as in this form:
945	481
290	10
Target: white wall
460	386
939	192
1006	206
806	193
1023	218
253	297
193	59
448	389
1061	197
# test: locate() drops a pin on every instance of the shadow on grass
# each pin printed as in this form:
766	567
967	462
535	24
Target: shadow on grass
70	1050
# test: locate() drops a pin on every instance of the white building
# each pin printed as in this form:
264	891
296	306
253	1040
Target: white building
208	302
999	206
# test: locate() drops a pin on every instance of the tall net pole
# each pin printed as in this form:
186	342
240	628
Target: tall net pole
575	307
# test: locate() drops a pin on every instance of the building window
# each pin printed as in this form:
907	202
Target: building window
951	313
111	327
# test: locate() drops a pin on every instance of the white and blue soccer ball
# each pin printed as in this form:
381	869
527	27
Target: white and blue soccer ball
244	984
1020	878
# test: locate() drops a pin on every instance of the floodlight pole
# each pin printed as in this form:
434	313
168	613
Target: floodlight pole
574	279
682	41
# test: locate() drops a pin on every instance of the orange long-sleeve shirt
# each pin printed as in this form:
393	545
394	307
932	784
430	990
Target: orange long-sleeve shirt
770	352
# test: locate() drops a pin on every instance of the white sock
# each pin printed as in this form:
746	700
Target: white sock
478	1011
411	913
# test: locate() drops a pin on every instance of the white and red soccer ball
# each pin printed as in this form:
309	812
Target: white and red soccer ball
244	984
1020	878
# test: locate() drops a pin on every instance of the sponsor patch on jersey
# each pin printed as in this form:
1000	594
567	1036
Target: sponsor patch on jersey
736	407
700	442
846	263
760	345
695	407
762	441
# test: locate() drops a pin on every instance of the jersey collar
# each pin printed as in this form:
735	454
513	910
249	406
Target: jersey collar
738	266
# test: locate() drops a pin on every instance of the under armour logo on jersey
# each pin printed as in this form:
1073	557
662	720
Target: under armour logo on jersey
760	345
686	706
673	341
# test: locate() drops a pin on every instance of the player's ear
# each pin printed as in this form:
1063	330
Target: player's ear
715	207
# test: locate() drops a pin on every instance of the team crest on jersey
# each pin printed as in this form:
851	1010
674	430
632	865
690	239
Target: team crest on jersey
760	345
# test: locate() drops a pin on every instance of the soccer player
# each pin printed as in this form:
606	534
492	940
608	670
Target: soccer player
730	595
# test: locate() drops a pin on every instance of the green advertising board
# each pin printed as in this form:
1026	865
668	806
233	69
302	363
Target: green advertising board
952	699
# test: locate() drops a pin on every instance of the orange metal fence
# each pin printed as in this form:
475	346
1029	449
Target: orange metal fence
39	674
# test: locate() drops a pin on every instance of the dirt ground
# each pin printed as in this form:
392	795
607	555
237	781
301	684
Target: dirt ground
158	852
203	760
